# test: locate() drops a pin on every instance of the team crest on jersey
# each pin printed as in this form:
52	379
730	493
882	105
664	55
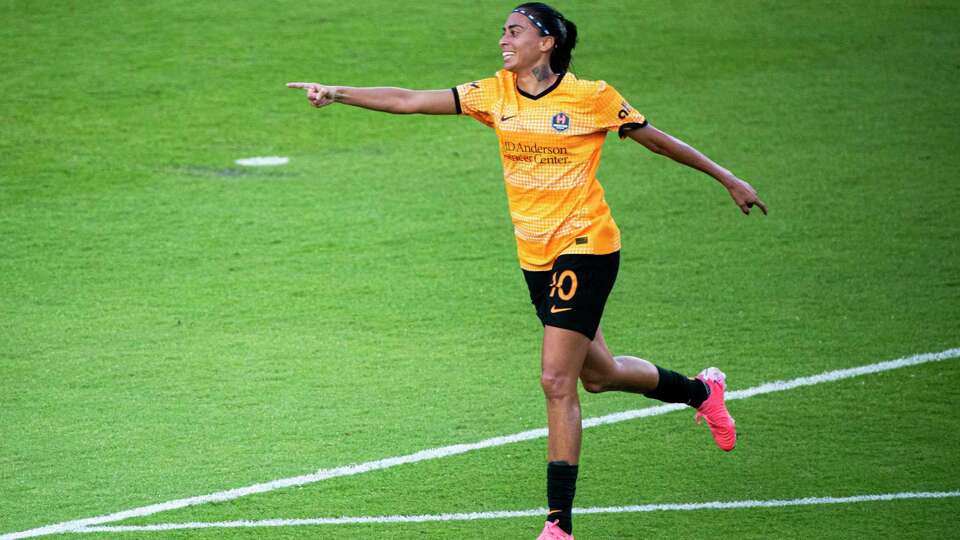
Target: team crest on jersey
560	122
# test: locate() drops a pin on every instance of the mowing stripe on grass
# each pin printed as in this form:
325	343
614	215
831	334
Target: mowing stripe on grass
536	512
456	449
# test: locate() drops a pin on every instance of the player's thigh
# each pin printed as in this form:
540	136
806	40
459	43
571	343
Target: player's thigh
564	352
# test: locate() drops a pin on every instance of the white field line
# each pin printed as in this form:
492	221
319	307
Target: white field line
456	449
536	512
263	161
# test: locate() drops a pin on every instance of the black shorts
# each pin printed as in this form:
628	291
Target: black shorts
573	293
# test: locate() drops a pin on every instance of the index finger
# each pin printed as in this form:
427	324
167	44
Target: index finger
302	85
762	206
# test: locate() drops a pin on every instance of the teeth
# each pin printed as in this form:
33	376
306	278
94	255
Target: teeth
507	55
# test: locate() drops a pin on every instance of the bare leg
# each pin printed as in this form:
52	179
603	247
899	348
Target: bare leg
564	352
602	372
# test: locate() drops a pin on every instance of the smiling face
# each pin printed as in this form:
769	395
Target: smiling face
522	45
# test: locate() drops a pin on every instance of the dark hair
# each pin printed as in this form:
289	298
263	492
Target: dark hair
554	24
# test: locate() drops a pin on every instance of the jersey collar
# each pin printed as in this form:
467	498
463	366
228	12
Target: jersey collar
545	92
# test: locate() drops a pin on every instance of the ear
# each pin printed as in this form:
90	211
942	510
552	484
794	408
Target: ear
547	43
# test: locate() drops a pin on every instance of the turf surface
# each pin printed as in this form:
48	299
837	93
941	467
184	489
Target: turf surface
173	325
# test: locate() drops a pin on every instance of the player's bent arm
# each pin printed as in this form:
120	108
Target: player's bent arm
385	99
664	144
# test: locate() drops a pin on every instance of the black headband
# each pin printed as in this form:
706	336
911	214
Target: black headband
561	28
543	29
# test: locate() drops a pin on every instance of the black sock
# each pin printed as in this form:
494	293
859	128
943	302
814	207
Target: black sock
561	487
675	388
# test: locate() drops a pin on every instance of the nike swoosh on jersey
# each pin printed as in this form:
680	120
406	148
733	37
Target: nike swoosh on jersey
505	118
555	309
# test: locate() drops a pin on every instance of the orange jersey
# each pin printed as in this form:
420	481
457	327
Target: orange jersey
550	146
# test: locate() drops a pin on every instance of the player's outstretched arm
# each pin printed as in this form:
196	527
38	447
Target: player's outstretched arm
657	141
391	100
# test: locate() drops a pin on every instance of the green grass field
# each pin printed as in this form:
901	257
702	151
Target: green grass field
174	325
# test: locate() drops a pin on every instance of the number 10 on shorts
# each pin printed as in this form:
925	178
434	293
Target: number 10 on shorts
564	285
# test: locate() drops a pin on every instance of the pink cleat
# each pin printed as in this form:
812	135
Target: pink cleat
552	531
721	424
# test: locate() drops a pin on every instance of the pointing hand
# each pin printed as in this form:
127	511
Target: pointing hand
745	196
319	95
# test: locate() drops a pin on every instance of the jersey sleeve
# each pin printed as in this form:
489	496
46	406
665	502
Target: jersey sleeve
476	99
612	112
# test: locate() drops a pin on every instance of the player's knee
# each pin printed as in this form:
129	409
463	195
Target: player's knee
557	385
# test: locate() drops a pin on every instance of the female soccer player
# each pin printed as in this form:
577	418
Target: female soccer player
551	127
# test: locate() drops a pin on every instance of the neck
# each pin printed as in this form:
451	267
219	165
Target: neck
538	79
